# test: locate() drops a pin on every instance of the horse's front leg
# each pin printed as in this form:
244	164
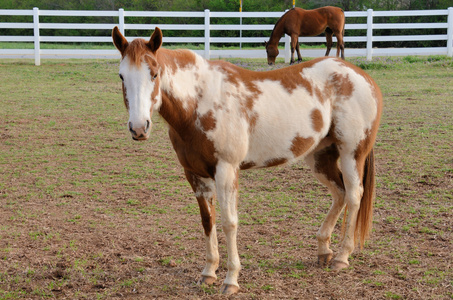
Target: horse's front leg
226	179
204	189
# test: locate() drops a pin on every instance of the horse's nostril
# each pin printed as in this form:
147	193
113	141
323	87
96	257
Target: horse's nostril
131	130
148	124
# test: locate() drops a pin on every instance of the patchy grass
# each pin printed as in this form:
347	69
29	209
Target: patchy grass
88	213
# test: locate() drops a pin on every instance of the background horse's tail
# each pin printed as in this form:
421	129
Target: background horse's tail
365	214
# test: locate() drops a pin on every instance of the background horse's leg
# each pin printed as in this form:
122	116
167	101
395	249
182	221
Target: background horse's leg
226	179
204	189
340	43
329	42
294	45
299	57
324	164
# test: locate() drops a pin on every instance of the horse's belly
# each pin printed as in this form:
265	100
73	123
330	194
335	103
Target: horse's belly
267	149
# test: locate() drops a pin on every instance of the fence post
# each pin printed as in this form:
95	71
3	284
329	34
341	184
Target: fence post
36	36
369	35
121	20
450	32
207	33
287	48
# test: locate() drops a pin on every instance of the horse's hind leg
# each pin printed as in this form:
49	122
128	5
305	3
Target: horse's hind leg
329	42
299	57
340	43
204	189
324	164
358	176
294	46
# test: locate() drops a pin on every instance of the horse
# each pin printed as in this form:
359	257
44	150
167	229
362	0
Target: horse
223	119
300	22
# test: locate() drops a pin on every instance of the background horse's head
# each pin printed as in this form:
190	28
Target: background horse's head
140	74
272	52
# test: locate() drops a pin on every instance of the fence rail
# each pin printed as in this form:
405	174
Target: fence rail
368	26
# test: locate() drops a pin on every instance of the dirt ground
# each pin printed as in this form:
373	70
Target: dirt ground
86	213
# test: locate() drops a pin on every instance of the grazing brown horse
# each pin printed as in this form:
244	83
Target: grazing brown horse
223	119
300	22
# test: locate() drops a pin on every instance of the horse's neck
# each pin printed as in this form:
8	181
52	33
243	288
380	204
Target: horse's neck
178	86
277	32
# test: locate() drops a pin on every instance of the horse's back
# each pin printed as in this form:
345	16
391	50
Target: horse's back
314	21
298	106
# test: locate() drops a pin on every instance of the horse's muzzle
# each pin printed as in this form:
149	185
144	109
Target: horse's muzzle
140	133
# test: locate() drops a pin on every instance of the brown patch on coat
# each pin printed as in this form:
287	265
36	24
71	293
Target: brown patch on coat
126	101
207	208
172	60
316	120
342	85
301	145
275	162
207	121
326	162
247	165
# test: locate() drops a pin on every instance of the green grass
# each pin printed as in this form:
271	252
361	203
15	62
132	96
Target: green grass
85	212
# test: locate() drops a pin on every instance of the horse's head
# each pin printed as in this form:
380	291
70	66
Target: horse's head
140	74
272	52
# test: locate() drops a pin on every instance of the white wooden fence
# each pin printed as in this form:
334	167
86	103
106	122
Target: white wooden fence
208	40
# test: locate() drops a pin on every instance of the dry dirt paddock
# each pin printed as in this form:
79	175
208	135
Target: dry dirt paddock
87	213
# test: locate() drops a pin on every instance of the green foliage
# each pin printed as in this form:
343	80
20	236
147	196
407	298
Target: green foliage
219	5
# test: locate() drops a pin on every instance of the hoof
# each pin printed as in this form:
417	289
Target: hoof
208	280
339	265
324	259
229	289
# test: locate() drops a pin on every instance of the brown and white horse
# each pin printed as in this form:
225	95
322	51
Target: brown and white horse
300	22
223	119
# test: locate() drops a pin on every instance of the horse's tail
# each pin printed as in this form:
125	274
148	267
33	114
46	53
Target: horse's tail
365	215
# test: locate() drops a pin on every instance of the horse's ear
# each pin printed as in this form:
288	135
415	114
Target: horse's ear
156	40
119	40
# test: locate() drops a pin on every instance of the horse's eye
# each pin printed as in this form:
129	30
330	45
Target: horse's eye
121	76
154	77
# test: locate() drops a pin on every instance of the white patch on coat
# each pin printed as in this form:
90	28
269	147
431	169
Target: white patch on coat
222	98
184	83
139	87
349	114
206	189
283	116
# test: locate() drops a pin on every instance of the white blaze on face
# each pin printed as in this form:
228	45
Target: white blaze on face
138	87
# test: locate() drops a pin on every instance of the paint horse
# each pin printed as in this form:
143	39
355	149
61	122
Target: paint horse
300	22
223	119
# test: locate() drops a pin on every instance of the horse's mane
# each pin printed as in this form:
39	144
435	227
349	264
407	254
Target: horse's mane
278	21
